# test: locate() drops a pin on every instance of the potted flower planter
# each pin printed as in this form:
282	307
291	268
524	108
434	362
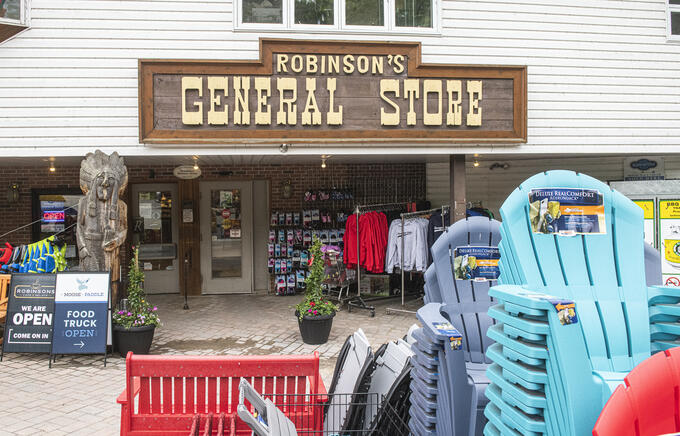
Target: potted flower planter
135	339
315	313
315	329
135	322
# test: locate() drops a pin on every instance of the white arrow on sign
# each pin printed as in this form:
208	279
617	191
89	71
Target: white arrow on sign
82	344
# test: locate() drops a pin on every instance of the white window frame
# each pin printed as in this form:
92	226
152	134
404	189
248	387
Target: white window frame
339	17
24	7
671	8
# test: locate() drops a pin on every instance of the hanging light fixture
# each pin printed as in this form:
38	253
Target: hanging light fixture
52	168
475	163
323	160
195	162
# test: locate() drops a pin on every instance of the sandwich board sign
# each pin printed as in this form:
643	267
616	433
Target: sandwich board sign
30	311
81	306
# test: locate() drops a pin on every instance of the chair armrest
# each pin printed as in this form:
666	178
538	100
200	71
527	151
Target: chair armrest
439	328
521	296
664	317
136	385
663	294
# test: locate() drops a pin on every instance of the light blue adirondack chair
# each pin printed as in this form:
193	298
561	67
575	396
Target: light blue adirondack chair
553	378
447	395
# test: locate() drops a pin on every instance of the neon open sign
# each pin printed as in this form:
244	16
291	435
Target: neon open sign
53	216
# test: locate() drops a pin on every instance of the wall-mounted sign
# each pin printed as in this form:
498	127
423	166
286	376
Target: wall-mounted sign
648	208
30	313
331	90
636	168
669	236
187	172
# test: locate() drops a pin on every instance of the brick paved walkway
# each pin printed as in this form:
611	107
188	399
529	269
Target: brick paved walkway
78	395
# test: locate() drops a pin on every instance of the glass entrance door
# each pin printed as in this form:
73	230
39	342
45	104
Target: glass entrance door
226	237
155	231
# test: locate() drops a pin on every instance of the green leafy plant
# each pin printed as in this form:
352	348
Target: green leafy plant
315	302
139	311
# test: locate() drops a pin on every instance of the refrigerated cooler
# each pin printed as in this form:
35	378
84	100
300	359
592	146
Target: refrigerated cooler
660	201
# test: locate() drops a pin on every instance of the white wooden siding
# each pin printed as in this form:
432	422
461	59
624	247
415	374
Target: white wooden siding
602	77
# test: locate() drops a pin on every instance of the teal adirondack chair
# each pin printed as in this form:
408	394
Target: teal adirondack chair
553	378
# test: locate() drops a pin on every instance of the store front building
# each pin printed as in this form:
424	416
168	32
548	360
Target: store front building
238	119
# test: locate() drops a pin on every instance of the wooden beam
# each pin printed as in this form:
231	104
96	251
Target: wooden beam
457	182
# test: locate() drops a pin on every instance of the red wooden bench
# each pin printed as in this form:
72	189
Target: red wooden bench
163	394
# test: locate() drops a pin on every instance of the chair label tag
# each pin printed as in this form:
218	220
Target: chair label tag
566	309
446	329
477	263
567	211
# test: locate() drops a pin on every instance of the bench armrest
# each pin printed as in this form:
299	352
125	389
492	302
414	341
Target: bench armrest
136	385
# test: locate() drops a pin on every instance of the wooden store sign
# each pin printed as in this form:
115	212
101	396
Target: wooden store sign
330	91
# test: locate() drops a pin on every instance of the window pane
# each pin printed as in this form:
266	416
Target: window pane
675	2
314	12
675	23
225	228
364	12
413	13
10	9
262	11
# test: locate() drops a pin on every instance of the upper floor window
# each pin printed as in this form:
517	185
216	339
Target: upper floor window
358	15
674	19
12	11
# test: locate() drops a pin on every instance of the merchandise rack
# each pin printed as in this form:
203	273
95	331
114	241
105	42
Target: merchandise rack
357	301
404	217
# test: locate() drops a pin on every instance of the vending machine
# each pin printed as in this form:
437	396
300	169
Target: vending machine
660	201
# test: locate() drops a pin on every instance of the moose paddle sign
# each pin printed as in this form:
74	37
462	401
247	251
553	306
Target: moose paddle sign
81	313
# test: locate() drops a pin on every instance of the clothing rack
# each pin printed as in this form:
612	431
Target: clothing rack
405	216
357	301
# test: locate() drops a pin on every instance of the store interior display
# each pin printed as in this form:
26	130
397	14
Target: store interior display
290	238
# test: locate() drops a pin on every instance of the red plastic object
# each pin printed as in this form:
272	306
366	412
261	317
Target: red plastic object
649	403
164	393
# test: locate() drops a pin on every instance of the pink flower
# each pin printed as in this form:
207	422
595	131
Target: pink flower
316	312
155	308
311	303
310	311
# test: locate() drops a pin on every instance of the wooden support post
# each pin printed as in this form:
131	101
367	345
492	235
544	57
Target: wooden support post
457	182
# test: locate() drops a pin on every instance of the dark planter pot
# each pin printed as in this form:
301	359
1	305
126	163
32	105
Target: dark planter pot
315	329
135	339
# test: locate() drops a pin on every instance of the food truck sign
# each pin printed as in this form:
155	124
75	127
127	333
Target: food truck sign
331	91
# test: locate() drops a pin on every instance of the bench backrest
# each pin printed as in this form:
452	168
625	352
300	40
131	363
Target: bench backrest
182	386
603	273
465	301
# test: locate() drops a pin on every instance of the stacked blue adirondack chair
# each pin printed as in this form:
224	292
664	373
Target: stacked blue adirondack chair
448	375
552	373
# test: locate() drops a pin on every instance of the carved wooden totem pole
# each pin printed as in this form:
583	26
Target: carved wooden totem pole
102	216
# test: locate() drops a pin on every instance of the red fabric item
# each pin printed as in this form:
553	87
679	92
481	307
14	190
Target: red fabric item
349	252
6	254
372	241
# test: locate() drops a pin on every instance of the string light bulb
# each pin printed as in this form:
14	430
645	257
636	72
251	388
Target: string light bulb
475	164
52	168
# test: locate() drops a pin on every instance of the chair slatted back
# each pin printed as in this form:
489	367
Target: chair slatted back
465	301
